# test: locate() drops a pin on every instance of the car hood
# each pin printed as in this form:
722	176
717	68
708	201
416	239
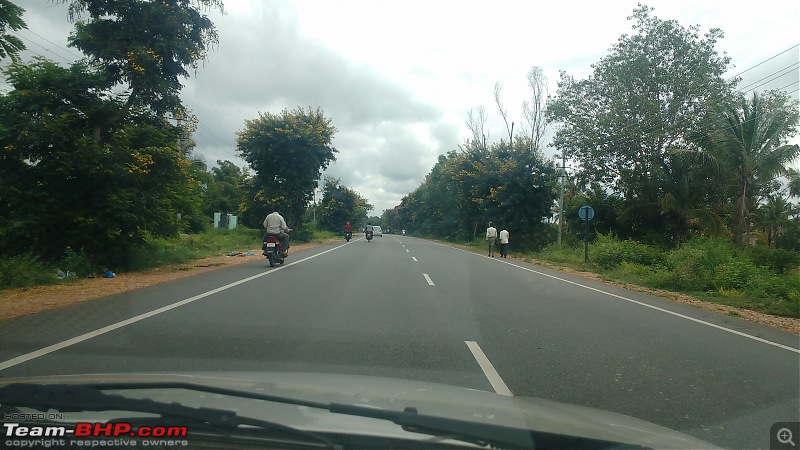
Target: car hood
385	393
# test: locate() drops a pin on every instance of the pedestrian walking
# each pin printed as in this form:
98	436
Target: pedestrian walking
504	243
491	236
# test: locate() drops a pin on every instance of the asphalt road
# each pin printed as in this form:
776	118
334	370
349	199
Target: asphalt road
410	308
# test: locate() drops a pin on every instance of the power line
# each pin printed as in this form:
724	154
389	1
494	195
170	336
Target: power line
57	45
762	62
43	47
211	132
787	69
784	87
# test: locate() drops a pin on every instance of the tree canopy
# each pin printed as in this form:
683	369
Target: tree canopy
287	151
145	60
641	101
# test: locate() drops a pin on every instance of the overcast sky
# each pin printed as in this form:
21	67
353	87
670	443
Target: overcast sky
398	77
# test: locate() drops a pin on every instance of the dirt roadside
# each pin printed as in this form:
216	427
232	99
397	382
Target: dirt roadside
783	323
21	302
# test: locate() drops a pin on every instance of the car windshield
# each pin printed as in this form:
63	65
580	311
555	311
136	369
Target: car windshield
589	205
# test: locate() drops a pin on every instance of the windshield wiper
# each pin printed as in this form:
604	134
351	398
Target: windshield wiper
89	397
483	434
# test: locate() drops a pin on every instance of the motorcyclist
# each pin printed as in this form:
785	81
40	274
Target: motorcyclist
368	229
347	228
275	225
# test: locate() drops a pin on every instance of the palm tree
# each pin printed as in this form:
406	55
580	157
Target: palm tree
794	182
745	142
774	215
678	201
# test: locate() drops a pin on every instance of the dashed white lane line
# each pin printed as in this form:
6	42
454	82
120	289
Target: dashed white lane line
428	279
488	369
100	331
406	250
414	258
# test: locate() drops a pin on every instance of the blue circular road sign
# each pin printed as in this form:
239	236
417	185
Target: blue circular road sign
586	212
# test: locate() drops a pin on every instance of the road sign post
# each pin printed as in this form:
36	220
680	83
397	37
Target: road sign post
586	213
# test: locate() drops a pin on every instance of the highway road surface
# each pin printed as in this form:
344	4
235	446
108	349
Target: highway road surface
410	308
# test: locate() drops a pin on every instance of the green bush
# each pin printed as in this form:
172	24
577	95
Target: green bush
79	263
735	274
609	253
25	271
694	263
562	254
776	259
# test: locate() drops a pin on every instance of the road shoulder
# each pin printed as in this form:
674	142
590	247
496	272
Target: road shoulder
783	323
21	302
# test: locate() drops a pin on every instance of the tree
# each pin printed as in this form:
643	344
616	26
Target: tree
225	188
747	142
502	110
288	152
640	102
533	111
60	189
476	123
143	48
794	182
774	215
10	18
468	188
677	204
341	204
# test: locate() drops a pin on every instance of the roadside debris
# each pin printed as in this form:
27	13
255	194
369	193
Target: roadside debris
241	254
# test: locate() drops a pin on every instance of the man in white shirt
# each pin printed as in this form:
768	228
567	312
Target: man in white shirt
491	236
504	243
275	225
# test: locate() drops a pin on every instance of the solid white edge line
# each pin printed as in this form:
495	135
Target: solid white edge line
428	279
414	258
497	383
100	331
683	316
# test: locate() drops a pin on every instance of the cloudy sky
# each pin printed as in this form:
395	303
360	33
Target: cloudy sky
398	77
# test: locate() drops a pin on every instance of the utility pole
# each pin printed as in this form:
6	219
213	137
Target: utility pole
561	201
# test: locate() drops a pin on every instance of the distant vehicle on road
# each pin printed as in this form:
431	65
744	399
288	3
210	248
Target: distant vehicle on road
376	231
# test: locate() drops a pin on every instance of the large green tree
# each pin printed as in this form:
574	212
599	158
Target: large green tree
341	204
60	189
10	19
468	188
641	101
747	141
143	48
287	151
224	188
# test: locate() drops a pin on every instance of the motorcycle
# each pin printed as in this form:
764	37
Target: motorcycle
273	250
369	235
348	235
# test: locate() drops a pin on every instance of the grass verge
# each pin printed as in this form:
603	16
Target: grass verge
27	271
708	270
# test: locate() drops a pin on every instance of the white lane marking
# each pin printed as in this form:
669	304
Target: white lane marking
100	331
414	258
683	316
428	279
406	250
488	369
